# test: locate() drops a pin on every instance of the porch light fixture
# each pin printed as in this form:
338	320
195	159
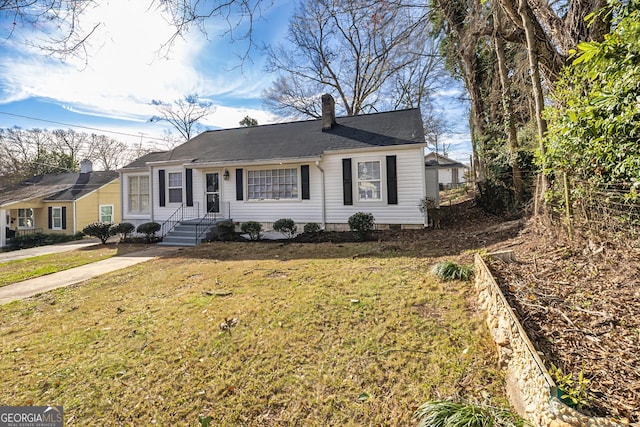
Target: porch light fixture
225	175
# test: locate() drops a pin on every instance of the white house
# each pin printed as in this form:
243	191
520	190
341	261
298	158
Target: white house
321	171
451	174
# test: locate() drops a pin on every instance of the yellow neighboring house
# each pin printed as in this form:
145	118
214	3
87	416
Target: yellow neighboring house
59	203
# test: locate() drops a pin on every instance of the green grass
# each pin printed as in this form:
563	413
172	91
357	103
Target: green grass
29	268
325	336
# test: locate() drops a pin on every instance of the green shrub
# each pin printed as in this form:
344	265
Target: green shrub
286	226
149	229
361	223
252	228
448	413
101	230
124	229
449	270
312	227
226	230
29	241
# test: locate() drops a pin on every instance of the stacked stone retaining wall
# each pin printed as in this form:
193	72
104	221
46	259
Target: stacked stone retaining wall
530	388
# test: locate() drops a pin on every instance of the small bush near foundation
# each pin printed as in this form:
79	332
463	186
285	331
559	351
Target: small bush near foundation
252	228
124	229
149	229
226	230
286	226
449	270
448	413
312	227
101	230
361	223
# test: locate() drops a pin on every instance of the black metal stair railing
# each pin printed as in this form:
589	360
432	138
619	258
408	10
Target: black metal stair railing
178	216
211	218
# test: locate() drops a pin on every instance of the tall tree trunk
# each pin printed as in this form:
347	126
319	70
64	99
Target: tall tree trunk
476	121
510	126
538	96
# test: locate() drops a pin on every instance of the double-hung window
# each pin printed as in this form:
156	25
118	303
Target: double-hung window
56	218
175	187
272	184
106	213
25	218
138	194
369	180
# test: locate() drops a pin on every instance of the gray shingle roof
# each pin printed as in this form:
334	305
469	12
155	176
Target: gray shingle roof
296	140
442	162
60	187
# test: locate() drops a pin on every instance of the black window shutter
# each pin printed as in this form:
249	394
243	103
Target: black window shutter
64	217
50	215
239	185
392	181
347	187
161	188
304	172
189	178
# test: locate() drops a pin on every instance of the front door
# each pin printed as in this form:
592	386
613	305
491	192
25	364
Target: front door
212	192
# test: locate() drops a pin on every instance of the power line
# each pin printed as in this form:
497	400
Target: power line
78	126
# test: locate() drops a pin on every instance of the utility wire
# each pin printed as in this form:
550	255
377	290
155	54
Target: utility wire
78	126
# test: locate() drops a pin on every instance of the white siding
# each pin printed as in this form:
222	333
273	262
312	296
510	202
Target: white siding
160	213
268	211
410	180
411	185
135	219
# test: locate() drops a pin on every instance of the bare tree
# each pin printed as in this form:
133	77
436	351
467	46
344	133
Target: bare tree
74	144
183	114
372	55
108	153
60	24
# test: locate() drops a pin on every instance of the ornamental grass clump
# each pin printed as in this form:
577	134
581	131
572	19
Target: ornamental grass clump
449	270
449	413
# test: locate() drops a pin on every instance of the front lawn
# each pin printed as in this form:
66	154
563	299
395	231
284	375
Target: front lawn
29	268
325	334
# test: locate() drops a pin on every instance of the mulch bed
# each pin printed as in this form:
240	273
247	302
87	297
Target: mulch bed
579	302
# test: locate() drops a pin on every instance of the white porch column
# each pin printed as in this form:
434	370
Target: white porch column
3	228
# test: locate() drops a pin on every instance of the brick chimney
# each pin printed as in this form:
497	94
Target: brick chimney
86	166
328	112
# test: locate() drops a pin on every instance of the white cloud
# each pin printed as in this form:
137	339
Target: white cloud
125	73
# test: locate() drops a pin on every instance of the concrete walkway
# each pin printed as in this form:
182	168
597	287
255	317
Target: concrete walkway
27	288
47	249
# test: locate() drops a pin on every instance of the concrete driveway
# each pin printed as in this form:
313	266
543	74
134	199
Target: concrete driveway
27	288
47	249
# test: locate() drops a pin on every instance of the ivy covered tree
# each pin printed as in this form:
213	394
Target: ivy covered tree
594	121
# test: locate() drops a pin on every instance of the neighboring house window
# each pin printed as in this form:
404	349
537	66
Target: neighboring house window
138	194
175	187
106	213
369	180
273	184
454	176
25	218
56	218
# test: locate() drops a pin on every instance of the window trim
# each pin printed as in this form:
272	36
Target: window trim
100	212
32	217
55	209
380	179
296	184
170	187
138	195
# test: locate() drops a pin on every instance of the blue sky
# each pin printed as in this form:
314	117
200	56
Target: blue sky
112	94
